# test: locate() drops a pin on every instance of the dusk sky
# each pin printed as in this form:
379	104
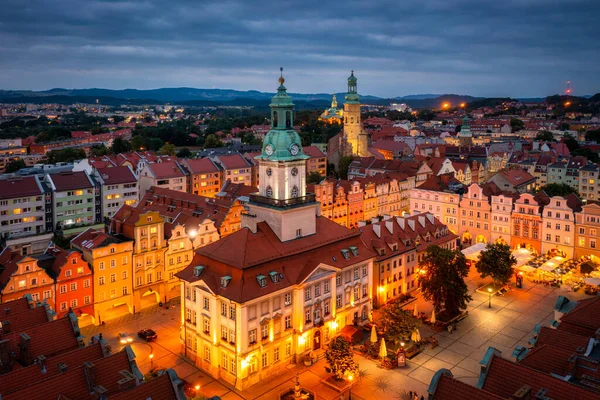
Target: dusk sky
477	47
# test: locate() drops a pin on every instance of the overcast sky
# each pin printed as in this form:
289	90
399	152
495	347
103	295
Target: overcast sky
400	47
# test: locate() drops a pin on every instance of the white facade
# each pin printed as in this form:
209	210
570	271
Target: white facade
558	227
443	205
501	219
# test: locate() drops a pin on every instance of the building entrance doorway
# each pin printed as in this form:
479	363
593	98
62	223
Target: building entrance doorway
317	340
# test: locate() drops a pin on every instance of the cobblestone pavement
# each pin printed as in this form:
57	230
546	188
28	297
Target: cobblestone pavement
509	322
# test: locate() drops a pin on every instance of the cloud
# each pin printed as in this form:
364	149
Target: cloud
478	47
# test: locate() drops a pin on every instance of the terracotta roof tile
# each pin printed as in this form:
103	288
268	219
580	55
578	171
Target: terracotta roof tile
20	187
313	152
16	306
200	165
584	319
166	169
117	175
71	181
234	161
160	388
449	388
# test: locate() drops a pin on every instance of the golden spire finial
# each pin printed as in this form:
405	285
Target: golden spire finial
281	78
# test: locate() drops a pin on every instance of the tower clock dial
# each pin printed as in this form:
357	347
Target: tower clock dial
269	150
295	149
294	171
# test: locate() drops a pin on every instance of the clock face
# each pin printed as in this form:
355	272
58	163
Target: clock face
294	171
269	171
295	149
269	150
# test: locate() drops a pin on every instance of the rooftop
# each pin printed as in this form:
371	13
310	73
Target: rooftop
117	175
20	187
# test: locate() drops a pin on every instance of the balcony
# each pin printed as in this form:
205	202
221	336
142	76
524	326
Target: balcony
257	199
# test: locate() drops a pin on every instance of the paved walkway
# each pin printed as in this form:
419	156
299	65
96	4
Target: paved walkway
509	322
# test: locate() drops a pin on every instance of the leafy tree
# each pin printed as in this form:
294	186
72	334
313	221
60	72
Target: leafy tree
571	142
442	280
99	151
184	153
516	124
212	141
558	189
344	166
426	115
314	177
120	146
15	165
137	142
545	136
154	143
53	134
497	261
167	149
564	126
586	152
397	324
339	359
68	154
593	135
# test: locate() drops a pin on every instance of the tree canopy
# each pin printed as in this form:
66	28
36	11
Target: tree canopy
68	154
497	261
397	324
212	141
545	136
14	165
314	177
442	280
184	153
344	166
121	146
516	124
167	149
339	359
590	154
558	189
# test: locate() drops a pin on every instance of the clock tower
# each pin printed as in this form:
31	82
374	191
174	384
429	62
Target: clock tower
282	200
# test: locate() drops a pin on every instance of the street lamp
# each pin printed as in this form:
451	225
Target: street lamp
151	362
350	392
490	298
197	387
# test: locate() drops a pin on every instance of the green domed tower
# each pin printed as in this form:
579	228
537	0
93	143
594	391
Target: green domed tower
355	139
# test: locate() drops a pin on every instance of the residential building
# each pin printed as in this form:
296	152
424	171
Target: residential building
501	222
587	239
204	176
73	284
166	174
293	283
513	180
527	221
179	253
25	214
558	225
589	183
75	201
317	162
118	186
439	196
111	259
400	243
234	168
26	275
475	216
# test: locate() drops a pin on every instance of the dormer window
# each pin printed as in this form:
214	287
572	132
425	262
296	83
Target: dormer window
346	253
149	219
354	250
275	276
198	270
225	281
262	280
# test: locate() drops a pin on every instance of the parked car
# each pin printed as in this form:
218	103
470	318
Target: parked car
147	334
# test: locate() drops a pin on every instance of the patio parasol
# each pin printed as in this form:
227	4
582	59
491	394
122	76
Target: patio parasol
373	335
416	336
382	349
415	312
432	320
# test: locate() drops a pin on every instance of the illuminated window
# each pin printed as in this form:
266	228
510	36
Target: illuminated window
17	211
153	229
78	192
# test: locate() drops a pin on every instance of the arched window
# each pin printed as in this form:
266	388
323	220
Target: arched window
269	191
288	119
274	119
295	191
351	120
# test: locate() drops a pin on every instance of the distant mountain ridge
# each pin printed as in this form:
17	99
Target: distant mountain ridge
209	97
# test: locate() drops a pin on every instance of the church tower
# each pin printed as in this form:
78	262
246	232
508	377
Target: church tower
355	142
282	200
465	137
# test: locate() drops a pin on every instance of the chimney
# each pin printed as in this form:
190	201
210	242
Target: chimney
374	220
421	220
90	374
42	361
377	229
389	224
99	392
25	349
522	394
5	356
400	221
361	224
62	367
127	382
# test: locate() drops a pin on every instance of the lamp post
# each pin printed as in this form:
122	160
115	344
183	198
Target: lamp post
490	297
151	361
197	387
351	377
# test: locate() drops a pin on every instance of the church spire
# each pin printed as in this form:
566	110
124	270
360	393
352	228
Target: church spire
334	102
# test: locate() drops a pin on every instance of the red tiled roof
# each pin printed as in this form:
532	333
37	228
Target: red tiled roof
16	380
200	165
262	252
505	378
166	169
16	306
70	181
20	187
449	388
313	152
234	161
93	238
117	175
561	339
21	321
160	388
584	319
74	385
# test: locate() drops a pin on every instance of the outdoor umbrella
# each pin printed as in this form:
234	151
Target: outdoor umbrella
373	335
432	320
416	336
415	312
382	349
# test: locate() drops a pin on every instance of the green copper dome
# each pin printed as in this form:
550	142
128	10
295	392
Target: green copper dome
352	96
352	79
282	143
